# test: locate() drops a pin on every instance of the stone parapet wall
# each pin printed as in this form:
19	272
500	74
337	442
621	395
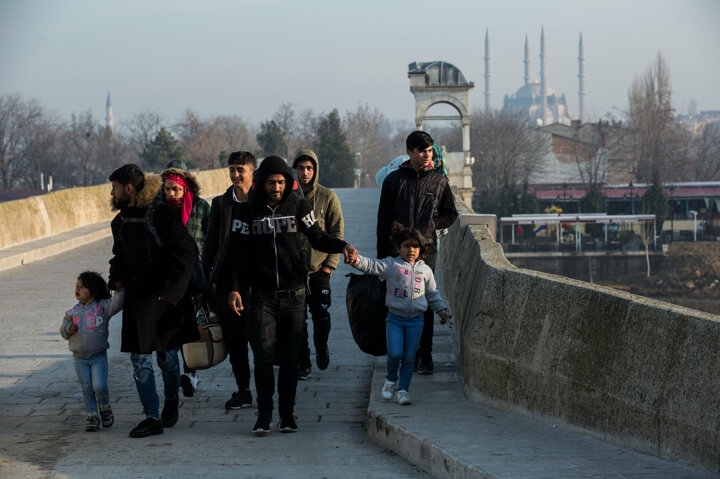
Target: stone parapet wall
636	372
45	215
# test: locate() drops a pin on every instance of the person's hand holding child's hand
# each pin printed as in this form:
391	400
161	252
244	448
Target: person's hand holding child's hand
350	254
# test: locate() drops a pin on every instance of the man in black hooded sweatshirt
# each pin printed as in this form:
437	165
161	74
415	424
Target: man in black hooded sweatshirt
267	266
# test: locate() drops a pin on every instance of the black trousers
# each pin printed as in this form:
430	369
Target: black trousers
317	302
426	339
276	323
235	331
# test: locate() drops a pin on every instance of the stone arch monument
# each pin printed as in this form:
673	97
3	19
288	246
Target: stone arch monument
441	82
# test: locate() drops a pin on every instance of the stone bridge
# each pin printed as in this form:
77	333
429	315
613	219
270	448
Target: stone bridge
560	378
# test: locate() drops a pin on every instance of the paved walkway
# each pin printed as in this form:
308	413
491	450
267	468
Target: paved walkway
42	415
41	411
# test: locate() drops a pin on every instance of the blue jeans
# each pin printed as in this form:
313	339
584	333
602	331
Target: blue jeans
93	376
403	337
144	376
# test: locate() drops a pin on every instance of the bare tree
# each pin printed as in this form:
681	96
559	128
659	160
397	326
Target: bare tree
141	128
202	139
447	134
18	122
704	153
507	152
82	149
369	137
286	119
236	134
42	141
306	130
658	137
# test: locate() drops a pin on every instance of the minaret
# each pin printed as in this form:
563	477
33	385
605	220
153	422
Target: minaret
109	115
527	61
487	72
543	82
581	80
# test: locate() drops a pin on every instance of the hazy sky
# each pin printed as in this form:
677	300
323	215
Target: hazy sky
246	57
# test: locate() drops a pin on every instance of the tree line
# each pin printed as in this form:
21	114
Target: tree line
81	150
353	146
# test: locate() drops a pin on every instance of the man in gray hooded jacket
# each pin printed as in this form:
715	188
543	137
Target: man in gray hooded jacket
328	212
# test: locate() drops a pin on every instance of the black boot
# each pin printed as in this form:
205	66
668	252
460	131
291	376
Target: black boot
147	427
169	414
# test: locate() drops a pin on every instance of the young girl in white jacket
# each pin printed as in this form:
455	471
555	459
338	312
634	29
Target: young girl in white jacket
410	287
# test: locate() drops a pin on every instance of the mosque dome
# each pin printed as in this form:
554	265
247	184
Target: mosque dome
528	101
532	90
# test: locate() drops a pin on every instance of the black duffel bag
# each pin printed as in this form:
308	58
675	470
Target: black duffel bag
365	300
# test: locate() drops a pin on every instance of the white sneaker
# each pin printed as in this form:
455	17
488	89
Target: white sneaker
388	390
403	397
188	382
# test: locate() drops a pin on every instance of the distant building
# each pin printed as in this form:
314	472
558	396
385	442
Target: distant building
536	100
527	102
586	153
698	122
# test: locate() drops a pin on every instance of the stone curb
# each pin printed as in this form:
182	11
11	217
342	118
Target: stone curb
419	450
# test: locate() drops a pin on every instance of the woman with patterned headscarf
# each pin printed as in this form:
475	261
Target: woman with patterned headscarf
181	190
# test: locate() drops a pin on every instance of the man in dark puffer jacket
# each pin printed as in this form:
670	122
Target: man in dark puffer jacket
417	196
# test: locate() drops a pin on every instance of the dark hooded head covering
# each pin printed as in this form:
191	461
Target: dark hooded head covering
272	165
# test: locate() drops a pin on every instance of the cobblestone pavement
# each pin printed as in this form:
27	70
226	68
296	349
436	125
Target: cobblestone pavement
42	414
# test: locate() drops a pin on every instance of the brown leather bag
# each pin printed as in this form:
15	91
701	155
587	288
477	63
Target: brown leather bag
210	349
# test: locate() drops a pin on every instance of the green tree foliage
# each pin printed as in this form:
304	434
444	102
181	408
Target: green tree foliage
271	139
334	153
593	202
163	149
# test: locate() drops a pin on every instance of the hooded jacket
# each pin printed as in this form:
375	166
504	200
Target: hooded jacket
92	321
151	266
417	199
328	213
197	223
266	252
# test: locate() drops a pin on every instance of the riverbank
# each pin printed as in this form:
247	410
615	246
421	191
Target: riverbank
690	277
